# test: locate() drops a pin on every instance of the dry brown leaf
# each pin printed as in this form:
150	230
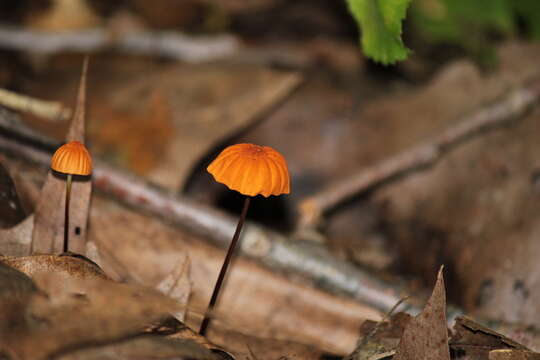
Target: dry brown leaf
24	177
476	340
140	138
16	289
16	241
76	312
377	339
64	266
249	346
478	207
64	15
48	232
426	336
508	354
11	210
208	103
143	348
21	197
254	299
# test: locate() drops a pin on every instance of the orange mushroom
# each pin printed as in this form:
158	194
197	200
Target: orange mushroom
71	159
251	170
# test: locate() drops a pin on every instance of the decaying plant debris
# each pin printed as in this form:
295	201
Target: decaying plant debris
426	182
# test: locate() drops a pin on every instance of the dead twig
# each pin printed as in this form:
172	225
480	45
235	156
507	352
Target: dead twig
514	105
268	247
169	44
46	109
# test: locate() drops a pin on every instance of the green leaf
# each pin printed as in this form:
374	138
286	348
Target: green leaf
380	23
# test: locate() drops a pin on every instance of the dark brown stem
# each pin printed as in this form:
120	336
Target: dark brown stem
66	215
223	271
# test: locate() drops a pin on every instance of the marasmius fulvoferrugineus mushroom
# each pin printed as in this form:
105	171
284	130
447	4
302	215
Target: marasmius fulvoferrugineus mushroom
71	159
251	170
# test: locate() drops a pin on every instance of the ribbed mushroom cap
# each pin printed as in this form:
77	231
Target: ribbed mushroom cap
251	170
72	158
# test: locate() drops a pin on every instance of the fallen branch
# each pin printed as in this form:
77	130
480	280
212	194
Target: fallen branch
268	247
168	44
46	109
500	113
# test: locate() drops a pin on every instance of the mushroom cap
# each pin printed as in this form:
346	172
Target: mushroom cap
72	158
251	170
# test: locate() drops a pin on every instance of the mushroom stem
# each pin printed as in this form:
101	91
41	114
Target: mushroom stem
66	215
223	271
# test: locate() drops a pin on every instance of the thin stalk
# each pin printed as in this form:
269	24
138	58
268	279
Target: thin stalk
223	271
66	215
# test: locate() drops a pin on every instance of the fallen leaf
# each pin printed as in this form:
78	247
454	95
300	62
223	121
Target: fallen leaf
426	336
24	180
48	232
377	339
141	138
16	289
476	340
64	266
253	347
16	241
478	207
64	15
11	210
255	299
79	311
208	104
508	354
143	347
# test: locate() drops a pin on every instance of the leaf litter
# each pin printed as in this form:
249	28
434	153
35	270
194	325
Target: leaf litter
426	335
43	299
57	303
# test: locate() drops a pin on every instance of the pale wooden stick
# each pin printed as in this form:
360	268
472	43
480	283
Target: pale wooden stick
46	109
170	44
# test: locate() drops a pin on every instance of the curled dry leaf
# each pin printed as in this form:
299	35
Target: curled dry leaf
426	336
81	311
476	341
64	266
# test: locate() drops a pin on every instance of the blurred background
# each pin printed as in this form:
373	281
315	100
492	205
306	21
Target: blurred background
172	82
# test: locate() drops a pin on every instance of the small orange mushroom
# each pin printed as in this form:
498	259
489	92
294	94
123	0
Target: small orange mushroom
251	170
71	159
